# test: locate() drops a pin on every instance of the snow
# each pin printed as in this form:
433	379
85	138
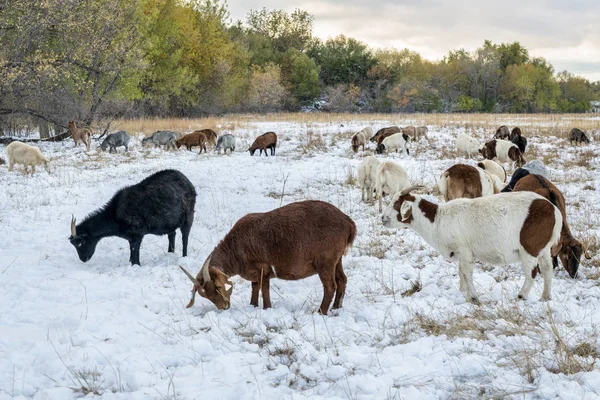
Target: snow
123	331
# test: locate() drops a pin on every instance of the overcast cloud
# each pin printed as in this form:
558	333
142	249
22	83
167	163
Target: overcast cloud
567	33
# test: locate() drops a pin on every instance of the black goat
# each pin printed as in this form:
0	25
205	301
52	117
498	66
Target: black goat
158	205
517	176
516	137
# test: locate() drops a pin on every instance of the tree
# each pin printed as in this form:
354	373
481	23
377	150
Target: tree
302	75
577	93
531	87
266	91
512	54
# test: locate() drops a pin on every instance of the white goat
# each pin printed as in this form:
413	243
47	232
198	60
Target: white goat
390	179
367	175
465	144
500	229
396	141
503	151
493	168
21	153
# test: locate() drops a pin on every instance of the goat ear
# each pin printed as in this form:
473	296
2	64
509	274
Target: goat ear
406	210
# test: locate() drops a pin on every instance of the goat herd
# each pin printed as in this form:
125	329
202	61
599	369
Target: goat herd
483	219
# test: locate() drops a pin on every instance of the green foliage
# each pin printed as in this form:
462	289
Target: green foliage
302	75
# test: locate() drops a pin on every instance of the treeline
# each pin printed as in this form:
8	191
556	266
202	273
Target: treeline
93	60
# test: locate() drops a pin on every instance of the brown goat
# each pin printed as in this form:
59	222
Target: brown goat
570	248
80	135
263	142
384	131
502	132
411	131
211	136
196	138
291	242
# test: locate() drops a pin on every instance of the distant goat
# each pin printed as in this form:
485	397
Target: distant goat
492	167
501	229
360	139
21	153
384	132
263	142
367	177
465	181
465	144
504	151
410	131
390	179
114	140
502	132
211	136
518	139
158	205
287	243
161	138
422	131
197	138
397	141
225	142
578	136
80	135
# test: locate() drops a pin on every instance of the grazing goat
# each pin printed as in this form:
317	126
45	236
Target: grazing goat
385	131
21	153
196	138
578	136
465	181
161	138
286	243
502	132
158	205
504	151
393	142
492	167
465	144
225	142
263	142
530	167
500	229
80	135
518	139
422	131
390	179
211	136
570	249
360	139
367	176
115	140
410	131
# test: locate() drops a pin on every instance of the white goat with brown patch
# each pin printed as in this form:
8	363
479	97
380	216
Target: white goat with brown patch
493	168
367	176
501	229
465	181
21	153
390	179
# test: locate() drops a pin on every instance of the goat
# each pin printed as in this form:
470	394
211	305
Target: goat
502	132
196	138
422	131
161	138
410	131
504	151
518	139
80	135
530	167
263	142
115	140
465	144
286	243
225	142
465	181
500	229
22	153
390	179
492	167
367	176
360	139
578	136
158	205
211	136
383	131
570	249
394	142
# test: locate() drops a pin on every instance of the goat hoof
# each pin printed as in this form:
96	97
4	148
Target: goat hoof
474	300
521	297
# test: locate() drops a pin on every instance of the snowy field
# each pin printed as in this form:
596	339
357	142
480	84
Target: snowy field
108	329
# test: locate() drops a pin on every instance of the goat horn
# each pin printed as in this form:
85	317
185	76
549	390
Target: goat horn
185	271
410	189
205	271
73	226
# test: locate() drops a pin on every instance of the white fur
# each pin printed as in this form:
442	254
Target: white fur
363	136
485	229
367	175
21	153
493	168
465	144
502	147
394	142
489	183
390	178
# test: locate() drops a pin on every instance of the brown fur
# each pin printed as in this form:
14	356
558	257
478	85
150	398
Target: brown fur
357	141
462	181
502	132
570	249
398	207
515	154
197	138
211	136
263	142
514	133
80	135
411	131
489	150
384	131
299	240
429	209
537	228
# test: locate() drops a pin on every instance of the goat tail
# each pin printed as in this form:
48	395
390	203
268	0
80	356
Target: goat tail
351	237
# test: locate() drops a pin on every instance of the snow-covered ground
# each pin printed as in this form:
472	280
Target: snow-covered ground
69	328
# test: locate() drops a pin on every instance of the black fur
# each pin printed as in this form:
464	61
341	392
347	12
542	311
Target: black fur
519	173
521	142
158	205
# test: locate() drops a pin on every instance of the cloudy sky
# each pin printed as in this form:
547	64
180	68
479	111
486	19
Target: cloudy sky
566	32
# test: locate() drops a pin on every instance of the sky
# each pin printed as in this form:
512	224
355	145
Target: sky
566	33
